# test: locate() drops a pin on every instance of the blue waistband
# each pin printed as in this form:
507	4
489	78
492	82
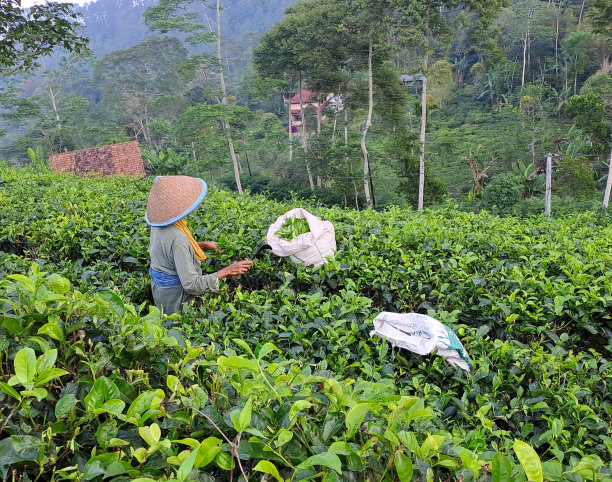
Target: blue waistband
164	280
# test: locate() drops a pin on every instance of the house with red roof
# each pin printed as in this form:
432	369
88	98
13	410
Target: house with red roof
306	98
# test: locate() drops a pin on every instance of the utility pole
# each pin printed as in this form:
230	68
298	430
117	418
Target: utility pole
548	183
608	183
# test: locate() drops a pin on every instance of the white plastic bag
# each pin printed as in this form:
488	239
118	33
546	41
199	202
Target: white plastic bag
421	334
309	249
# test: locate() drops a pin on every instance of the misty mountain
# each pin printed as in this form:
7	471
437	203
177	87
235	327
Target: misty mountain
118	24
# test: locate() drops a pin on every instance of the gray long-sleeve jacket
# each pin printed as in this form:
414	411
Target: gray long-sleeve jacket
171	253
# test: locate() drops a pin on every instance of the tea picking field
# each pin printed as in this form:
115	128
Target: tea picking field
276	377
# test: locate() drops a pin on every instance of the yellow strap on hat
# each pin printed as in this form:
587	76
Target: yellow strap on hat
182	226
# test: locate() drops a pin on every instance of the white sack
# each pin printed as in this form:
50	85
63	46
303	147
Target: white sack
421	334
309	249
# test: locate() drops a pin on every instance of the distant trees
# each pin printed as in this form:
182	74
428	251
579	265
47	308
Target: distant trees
136	82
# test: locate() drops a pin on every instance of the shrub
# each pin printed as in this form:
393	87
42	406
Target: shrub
504	191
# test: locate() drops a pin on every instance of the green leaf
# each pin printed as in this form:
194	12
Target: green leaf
238	362
102	390
117	468
187	465
265	349
283	436
325	459
207	452
150	434
244	345
145	401
114	302
355	416
6	388
114	406
174	384
52	331
244	420
39	393
501	468
58	283
25	365
26	282
92	469
48	375
46	360
65	405
12	324
225	461
403	466
298	407
268	468
530	461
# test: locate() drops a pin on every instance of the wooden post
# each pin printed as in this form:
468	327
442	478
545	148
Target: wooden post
608	184
548	183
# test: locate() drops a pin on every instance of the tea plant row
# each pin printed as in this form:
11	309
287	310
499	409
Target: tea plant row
277	374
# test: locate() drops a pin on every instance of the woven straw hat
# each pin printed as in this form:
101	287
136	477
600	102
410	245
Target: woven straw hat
172	198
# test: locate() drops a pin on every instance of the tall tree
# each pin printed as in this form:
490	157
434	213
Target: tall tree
305	46
30	34
184	16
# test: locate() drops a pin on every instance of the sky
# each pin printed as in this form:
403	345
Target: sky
29	3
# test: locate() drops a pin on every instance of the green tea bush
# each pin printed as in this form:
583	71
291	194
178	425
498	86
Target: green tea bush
276	374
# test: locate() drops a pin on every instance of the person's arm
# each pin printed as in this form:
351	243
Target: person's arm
212	245
235	269
193	282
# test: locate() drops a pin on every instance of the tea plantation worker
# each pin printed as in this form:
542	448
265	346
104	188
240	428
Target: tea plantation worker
176	257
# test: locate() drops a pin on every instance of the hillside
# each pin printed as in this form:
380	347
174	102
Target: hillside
118	24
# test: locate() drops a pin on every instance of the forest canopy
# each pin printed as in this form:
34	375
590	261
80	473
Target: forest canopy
395	93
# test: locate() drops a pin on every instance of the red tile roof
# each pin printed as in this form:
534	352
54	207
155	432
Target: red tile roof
305	94
124	158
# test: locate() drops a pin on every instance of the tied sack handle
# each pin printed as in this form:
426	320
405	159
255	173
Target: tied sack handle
283	247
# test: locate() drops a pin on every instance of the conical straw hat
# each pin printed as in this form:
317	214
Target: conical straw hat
172	198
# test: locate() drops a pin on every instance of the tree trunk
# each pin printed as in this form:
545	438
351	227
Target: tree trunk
290	123
304	140
319	117
226	126
606	65
548	195
366	161
524	61
422	141
347	158
55	111
606	199
558	14
581	12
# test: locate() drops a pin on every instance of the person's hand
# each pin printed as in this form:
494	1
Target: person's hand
212	245
235	269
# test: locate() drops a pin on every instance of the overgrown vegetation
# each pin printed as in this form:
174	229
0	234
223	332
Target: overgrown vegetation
508	82
277	373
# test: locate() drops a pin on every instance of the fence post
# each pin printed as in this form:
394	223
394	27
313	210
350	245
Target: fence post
548	183
606	199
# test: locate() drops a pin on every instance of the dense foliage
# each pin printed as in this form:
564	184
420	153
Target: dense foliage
507	83
277	373
29	35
